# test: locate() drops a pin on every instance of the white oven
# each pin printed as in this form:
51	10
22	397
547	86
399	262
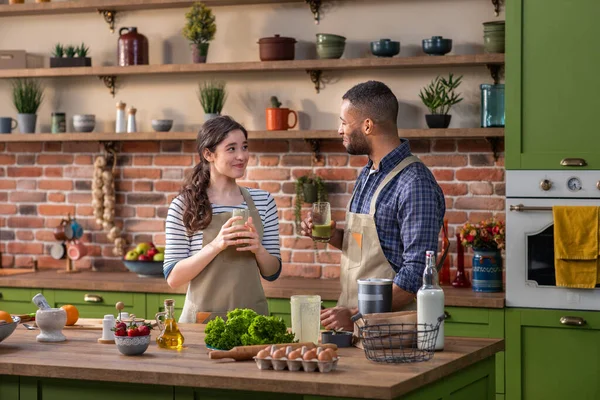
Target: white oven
530	274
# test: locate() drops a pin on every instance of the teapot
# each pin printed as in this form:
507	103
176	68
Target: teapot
132	47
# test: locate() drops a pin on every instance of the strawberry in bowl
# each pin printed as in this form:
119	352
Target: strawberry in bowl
132	340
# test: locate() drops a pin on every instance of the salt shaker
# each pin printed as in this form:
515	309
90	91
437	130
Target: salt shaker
131	126
107	324
121	125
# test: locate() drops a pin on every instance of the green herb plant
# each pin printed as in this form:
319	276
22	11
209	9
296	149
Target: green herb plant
70	51
82	50
58	50
440	94
200	24
212	96
275	102
311	180
28	94
244	327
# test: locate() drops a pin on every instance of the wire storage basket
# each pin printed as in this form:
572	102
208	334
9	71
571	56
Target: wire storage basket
400	342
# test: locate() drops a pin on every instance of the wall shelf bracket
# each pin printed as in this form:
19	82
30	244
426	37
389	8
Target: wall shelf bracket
315	7
315	78
110	82
315	145
494	144
496	4
109	18
496	71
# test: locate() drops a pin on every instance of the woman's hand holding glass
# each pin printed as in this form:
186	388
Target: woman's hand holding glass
251	241
230	233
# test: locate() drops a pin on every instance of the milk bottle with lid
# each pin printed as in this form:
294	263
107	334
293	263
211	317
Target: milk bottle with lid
430	301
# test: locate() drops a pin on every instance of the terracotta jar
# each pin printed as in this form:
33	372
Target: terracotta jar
132	47
276	48
278	119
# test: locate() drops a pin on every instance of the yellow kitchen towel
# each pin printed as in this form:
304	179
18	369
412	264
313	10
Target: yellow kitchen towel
576	246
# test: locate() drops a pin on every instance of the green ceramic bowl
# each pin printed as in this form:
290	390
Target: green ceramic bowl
328	51
330	38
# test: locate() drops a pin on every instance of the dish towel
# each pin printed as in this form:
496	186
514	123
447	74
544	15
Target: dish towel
576	246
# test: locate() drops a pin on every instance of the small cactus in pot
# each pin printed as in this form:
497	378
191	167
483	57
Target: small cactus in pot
278	118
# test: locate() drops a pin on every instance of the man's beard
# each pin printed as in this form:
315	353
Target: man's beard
357	144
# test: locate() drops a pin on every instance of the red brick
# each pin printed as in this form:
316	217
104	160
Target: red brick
45	236
146	198
25	248
47	209
172	174
456	217
167	186
25	235
142	160
171	146
477	146
300	146
454	189
189	146
269	161
8	260
173	160
332	146
159	239
81	147
26	184
444	160
140	147
286	229
420	145
358	161
22	172
329	257
25	222
480	174
26	159
479	203
286	256
266	174
481	188
444	145
283	201
337	174
331	272
28	197
246	184
337	161
297	160
268	146
7	159
443	174
141	173
7	184
271	187
56	197
301	270
127	211
60	159
481	160
83	160
500	189
142	186
134	225
339	200
80	198
3	197
145	212
303	257
298	172
500	161
298	243
79	171
52	147
19	147
53	172
53	184
475	217
449	202
287	187
85	210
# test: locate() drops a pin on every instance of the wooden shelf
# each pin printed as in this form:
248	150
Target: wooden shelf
143	136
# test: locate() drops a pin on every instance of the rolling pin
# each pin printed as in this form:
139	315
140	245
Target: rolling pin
244	353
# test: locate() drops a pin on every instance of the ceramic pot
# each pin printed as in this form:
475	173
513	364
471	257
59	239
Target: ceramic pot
330	46
310	192
26	122
385	48
437	46
493	37
132	346
51	323
84	122
132	47
162	125
209	116
7	124
438	121
487	270
277	48
278	119
330	38
199	52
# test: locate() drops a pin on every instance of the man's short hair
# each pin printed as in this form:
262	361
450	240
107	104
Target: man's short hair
374	100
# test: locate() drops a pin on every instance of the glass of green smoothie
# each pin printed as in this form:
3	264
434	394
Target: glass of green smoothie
321	216
244	213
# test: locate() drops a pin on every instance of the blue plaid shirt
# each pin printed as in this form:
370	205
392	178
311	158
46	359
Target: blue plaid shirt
409	214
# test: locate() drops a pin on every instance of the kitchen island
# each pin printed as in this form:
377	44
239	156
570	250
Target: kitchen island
82	368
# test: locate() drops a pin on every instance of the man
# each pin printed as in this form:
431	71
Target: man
396	211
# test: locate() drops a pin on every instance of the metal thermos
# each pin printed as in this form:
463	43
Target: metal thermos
374	295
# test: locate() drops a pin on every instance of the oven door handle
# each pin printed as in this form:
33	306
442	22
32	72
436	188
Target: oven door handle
522	208
573	321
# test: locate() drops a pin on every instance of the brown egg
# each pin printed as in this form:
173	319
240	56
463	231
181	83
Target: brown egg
332	352
325	356
262	354
279	353
310	355
295	354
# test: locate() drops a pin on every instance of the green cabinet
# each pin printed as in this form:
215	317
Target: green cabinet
155	302
96	304
17	300
552	83
547	359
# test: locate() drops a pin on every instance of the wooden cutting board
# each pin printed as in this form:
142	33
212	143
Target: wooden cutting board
244	353
15	271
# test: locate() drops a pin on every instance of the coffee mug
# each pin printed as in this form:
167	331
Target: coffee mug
64	231
58	251
77	229
6	124
76	250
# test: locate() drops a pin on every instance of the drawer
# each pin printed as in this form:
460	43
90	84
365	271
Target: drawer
18	294
96	304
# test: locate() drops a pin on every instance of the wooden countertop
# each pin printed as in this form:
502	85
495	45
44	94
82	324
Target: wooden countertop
355	376
328	289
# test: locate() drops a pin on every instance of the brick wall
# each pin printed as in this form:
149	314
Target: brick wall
41	182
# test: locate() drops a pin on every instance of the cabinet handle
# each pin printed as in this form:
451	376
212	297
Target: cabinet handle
0	295
573	162
574	321
446	315
92	298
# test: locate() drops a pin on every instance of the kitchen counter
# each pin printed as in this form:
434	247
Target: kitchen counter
328	289
465	361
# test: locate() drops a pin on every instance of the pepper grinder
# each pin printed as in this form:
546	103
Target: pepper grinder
108	336
121	122
131	125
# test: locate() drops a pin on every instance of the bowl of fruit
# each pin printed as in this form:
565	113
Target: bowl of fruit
132	339
146	260
8	324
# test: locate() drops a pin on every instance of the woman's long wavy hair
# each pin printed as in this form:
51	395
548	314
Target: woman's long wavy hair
197	210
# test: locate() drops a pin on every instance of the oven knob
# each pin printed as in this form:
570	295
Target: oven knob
546	184
598	185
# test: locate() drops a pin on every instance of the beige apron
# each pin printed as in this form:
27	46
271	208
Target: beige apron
231	280
362	256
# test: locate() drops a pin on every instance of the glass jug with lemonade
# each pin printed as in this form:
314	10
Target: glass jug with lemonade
321	217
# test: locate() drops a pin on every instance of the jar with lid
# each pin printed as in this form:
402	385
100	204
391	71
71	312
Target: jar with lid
59	122
132	47
492	105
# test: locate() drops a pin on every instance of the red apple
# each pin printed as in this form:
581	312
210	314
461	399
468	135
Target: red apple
143	257
151	252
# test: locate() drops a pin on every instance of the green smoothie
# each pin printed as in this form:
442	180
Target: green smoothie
321	233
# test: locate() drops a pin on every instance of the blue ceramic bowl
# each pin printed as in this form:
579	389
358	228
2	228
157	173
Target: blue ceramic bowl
145	268
385	48
437	46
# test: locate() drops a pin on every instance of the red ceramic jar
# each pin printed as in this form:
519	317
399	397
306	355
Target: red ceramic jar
277	48
132	48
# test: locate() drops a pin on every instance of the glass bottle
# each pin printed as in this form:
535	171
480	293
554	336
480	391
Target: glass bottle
445	270
170	336
492	105
121	121
430	304
59	123
461	280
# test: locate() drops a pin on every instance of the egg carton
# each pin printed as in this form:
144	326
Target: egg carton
298	364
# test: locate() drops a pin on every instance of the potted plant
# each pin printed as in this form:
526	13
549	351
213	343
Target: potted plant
309	189
278	118
438	97
70	56
199	29
212	96
28	94
487	239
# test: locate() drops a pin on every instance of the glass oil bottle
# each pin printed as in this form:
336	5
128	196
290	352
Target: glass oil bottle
170	337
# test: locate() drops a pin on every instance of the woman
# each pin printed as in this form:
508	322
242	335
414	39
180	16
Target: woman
221	262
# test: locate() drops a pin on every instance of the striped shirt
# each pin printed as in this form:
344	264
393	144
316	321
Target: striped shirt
409	213
180	245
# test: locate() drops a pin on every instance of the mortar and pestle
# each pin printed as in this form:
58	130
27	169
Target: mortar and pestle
49	320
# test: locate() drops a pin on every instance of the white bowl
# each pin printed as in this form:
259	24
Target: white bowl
162	125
